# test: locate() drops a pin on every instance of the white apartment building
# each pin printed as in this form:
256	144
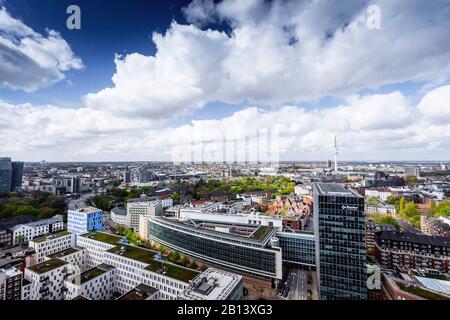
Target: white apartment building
47	279
381	208
119	215
75	256
32	230
135	265
97	283
138	207
383	195
95	245
51	244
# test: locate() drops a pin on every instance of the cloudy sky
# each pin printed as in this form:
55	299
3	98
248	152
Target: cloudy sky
142	79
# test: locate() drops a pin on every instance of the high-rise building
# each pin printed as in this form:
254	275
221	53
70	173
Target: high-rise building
10	175
339	224
5	175
16	178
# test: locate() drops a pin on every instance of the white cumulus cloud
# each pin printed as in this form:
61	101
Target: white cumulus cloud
30	60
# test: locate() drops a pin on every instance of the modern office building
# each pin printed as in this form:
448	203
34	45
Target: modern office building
10	175
339	226
137	207
297	248
84	220
240	248
16	177
5	175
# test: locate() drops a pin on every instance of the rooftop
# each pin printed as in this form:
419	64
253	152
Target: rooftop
259	233
119	211
93	273
52	236
414	238
33	224
102	237
135	253
213	284
65	252
47	266
141	292
179	273
148	257
334	189
87	210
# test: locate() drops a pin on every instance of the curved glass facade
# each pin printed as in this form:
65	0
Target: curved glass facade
211	247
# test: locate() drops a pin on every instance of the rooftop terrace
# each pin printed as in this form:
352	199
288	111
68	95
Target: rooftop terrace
141	292
52	236
91	274
103	237
259	233
47	266
64	252
135	253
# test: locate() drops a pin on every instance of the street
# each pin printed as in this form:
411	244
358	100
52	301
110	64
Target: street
298	282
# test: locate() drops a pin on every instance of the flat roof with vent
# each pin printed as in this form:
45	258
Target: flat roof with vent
92	273
141	292
47	266
213	284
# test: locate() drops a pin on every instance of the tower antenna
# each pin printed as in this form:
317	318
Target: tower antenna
336	152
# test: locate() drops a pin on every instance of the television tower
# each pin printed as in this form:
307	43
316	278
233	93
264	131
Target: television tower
336	152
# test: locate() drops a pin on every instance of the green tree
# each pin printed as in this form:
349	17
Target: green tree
26	210
442	209
401	205
19	240
46	212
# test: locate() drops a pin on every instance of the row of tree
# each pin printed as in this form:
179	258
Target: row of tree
40	204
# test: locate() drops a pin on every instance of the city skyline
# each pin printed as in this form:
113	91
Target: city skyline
145	79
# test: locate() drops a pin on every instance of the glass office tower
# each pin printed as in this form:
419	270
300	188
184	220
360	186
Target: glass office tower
339	223
16	177
5	175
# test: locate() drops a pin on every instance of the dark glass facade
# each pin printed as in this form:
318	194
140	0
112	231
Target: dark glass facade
297	248
16	178
220	250
339	223
5	175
